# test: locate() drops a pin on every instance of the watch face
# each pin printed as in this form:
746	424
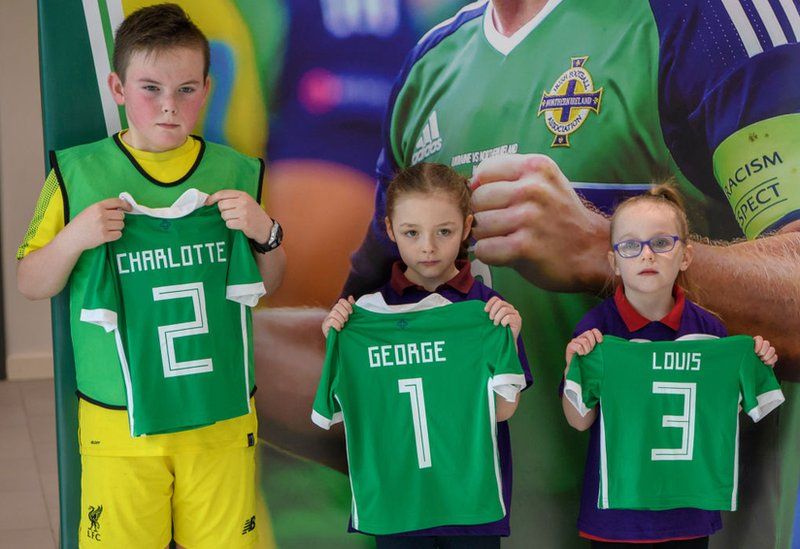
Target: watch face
276	235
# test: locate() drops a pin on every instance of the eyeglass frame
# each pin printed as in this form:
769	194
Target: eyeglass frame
675	239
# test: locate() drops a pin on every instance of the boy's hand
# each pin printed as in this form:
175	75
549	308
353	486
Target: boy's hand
338	316
504	313
583	345
99	223
241	212
765	351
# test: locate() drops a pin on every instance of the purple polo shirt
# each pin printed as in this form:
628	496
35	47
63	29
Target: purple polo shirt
462	287
616	316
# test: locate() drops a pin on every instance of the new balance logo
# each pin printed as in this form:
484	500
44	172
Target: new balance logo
249	525
429	142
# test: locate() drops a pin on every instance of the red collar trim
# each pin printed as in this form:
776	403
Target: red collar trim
461	282
635	321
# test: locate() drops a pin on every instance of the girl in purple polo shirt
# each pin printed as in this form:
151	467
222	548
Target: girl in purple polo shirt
650	254
428	216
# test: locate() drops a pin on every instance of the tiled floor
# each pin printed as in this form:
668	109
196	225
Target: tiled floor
28	470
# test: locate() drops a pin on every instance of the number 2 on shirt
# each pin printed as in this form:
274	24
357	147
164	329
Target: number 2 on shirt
413	387
685	421
169	333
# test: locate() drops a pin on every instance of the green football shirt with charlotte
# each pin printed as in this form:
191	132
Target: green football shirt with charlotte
99	376
176	291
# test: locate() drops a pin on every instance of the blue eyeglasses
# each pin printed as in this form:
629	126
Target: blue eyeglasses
658	245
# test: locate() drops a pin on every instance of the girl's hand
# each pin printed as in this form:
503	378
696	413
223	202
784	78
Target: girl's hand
338	316
504	313
583	345
765	351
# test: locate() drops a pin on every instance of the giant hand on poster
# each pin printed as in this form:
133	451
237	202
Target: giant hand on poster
666	89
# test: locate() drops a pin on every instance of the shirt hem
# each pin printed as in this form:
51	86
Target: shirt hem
666	505
428	530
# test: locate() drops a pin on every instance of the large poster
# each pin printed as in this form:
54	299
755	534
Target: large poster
320	186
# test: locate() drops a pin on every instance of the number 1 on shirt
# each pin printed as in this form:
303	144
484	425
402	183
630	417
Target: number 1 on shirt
413	387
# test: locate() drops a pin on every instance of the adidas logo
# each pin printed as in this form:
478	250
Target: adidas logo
429	142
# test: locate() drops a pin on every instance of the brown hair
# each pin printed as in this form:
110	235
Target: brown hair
154	29
428	178
663	194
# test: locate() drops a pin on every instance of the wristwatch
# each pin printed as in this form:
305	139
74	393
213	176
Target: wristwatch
274	240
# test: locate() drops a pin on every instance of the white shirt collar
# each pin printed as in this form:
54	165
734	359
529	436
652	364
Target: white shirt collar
505	44
186	203
377	304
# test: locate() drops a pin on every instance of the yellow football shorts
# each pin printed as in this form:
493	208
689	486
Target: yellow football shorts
202	499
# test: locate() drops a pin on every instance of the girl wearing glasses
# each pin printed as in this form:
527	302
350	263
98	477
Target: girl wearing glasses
650	252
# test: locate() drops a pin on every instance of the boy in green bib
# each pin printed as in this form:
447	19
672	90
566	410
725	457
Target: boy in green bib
193	485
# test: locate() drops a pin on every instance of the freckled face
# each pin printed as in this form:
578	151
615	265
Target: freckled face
163	93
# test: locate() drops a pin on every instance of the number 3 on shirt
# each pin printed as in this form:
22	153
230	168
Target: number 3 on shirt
169	333
685	422
413	387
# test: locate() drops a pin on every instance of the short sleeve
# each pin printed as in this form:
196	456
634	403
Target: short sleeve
243	284
486	294
327	410
47	220
101	305
582	386
760	391
508	377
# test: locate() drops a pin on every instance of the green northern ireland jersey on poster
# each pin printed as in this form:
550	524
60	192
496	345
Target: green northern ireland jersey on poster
414	386
669	431
177	289
472	94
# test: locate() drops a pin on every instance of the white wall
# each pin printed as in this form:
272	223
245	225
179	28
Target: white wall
27	325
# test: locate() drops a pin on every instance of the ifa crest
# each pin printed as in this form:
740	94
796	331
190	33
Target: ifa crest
568	103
